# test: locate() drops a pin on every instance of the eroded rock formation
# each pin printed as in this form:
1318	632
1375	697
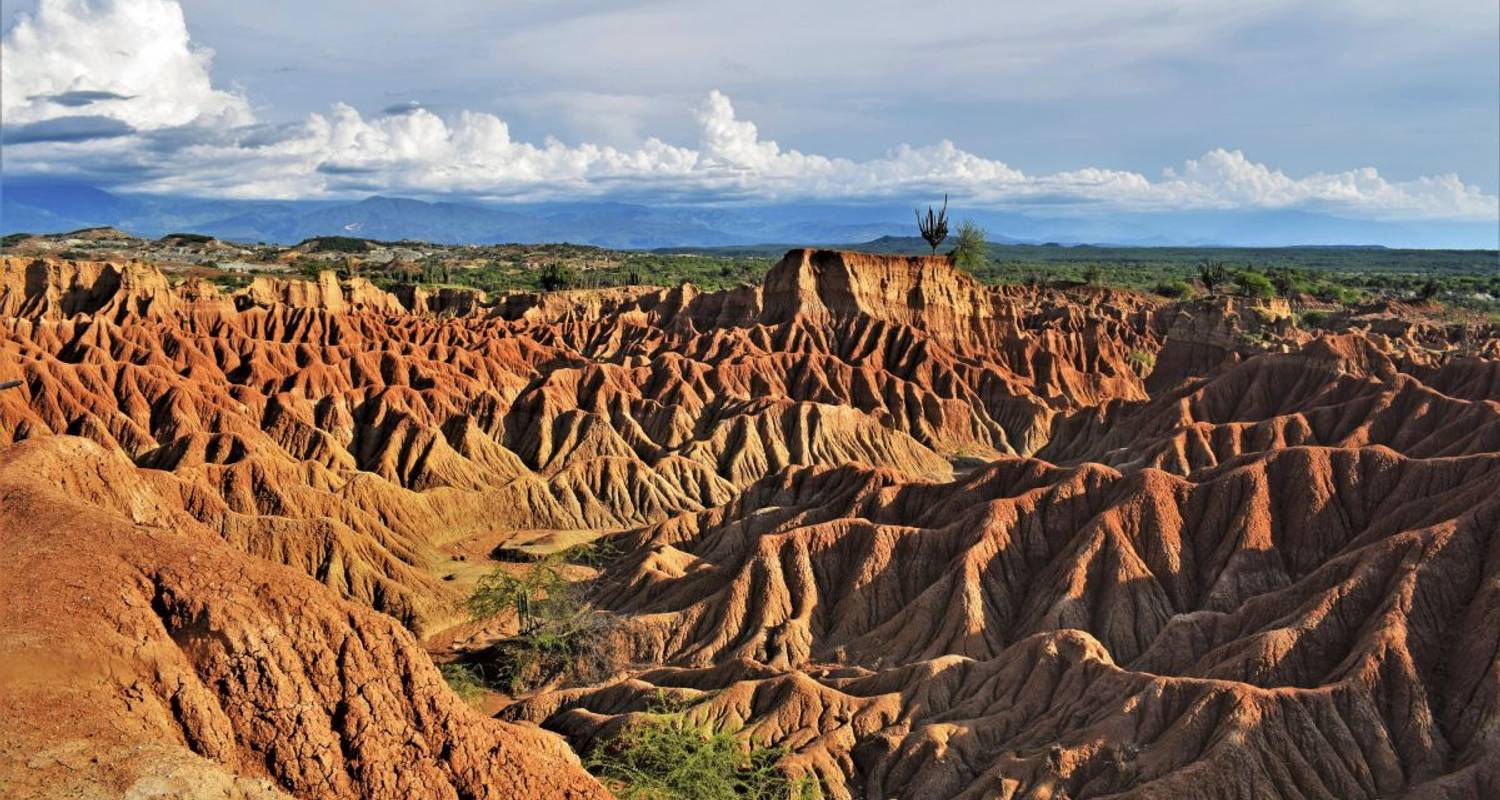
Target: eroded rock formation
935	538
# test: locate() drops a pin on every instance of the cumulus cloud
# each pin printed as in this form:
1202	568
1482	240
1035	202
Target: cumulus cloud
129	59
155	116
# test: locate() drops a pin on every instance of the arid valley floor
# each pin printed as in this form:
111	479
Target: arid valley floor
934	539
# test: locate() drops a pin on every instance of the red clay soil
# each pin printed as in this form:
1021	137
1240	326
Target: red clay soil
934	538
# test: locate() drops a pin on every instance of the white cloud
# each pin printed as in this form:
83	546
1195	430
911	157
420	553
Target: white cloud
131	61
1226	179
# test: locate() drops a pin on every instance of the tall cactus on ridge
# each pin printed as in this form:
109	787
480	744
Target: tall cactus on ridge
934	227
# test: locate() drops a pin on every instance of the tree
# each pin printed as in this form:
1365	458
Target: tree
1253	284
934	227
1092	275
972	252
556	276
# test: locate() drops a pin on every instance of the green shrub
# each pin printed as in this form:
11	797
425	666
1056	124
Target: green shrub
577	650
1174	289
1315	319
230	280
1092	275
1333	293
560	636
464	682
972	253
537	594
1253	284
596	553
668	758
1142	361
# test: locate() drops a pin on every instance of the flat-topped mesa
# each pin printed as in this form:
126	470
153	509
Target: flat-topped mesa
925	292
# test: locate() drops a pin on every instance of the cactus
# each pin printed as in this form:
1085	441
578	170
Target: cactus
934	227
1212	273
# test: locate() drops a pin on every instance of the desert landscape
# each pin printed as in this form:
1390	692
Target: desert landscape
910	535
711	400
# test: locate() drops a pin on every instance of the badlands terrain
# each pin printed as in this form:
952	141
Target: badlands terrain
933	539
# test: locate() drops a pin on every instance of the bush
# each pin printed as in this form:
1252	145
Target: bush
1174	289
1142	361
1092	275
1333	293
669	758
1253	284
972	253
596	553
579	649
230	280
1315	319
464	682
560	636
536	595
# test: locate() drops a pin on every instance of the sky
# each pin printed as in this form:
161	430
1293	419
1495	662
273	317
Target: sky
1365	109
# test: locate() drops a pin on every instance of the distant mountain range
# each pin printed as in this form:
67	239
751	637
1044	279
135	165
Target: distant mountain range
57	207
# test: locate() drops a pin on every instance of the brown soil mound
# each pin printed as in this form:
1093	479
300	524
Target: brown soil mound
935	538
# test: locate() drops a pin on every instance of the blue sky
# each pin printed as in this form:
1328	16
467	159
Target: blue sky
1358	108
